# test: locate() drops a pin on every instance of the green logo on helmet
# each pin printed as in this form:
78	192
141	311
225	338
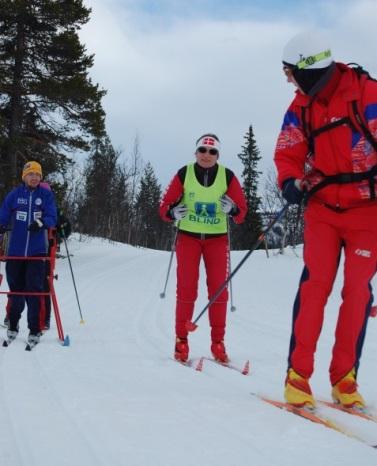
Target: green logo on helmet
308	61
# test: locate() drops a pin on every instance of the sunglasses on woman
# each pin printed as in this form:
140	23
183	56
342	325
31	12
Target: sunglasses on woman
203	150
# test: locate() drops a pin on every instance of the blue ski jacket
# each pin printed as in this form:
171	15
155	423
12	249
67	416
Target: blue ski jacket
21	207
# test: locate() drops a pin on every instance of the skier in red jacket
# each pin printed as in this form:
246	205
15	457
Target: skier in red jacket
327	150
199	198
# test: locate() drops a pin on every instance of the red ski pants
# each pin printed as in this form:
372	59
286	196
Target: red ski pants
189	251
326	234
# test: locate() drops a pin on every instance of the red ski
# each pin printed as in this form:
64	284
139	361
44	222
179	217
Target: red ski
313	416
245	370
196	364
354	411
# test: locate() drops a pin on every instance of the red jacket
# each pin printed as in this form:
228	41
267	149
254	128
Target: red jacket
174	192
339	150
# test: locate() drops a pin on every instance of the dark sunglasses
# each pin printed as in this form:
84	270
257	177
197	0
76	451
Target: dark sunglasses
203	150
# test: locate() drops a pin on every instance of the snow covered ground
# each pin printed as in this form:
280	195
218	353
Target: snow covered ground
115	397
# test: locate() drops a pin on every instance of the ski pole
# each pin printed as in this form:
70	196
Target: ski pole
73	277
232	307
191	325
162	295
298	215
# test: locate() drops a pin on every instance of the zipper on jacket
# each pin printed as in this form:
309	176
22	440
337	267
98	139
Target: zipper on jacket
205	184
29	218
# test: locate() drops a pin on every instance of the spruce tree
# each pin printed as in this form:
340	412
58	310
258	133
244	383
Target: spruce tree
151	231
244	235
49	106
105	205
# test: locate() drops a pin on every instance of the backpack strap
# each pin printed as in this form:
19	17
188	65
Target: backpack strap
333	124
356	122
345	178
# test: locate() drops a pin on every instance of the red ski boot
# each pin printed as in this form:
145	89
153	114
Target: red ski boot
219	352
181	351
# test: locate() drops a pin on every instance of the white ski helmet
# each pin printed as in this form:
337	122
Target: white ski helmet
308	50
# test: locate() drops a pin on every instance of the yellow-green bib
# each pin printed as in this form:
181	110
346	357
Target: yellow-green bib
203	203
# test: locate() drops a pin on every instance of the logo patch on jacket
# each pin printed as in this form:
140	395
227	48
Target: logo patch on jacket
22	216
205	212
22	201
363	253
205	209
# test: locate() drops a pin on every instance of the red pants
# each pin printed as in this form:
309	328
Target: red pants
215	255
326	234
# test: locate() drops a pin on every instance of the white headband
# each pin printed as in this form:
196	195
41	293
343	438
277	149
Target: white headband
208	141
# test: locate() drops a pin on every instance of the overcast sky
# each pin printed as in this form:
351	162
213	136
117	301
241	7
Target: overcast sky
175	69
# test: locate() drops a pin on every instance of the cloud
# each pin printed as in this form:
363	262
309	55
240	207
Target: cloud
170	79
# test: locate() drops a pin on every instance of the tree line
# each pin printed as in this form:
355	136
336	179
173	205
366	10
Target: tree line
51	111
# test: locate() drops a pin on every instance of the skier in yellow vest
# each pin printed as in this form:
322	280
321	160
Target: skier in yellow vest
199	198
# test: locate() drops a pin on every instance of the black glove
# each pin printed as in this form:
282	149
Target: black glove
36	226
291	193
3	229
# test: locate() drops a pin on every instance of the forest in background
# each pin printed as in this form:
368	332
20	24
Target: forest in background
51	112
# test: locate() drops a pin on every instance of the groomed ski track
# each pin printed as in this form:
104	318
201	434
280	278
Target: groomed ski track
115	396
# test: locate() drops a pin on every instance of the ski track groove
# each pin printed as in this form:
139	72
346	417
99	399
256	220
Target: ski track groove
27	453
195	413
14	444
226	378
57	401
145	335
144	320
89	287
